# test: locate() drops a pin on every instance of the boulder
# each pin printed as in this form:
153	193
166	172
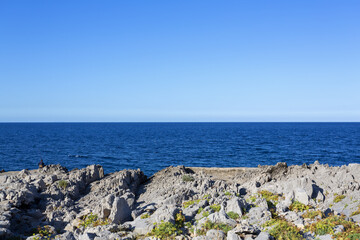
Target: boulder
120	211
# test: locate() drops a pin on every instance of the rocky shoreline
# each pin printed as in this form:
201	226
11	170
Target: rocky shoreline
268	202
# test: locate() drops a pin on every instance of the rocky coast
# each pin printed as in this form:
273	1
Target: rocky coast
268	202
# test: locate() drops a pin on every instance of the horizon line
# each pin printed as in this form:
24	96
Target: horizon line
179	122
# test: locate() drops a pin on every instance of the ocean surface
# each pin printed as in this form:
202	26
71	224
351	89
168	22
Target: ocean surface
153	146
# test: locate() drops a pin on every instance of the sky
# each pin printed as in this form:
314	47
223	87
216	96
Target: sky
179	61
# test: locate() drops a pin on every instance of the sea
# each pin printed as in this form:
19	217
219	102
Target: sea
154	146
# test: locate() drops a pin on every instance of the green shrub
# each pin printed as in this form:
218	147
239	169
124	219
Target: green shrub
210	225
165	230
215	207
44	232
269	196
188	178
92	220
190	203
233	215
356	212
205	214
313	214
252	198
338	198
63	184
144	216
200	210
179	220
227	193
326	226
284	230
297	206
206	196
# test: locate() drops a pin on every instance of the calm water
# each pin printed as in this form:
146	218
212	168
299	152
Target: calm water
153	146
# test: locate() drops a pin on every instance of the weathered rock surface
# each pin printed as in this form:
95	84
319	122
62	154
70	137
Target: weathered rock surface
219	203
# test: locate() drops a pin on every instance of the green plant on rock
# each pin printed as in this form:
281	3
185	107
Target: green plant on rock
233	215
311	214
63	184
269	196
297	206
252	198
92	220
338	198
206	196
190	203
205	214
210	225
179	220
165	230
283	230
326	226
144	216
45	232
188	178
356	212
215	207
227	193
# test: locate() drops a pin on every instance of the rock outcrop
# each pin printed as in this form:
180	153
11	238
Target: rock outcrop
181	202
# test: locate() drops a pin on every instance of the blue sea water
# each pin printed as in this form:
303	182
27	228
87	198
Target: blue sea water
153	146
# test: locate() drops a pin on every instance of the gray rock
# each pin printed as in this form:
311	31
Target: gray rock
301	196
236	205
324	237
141	226
231	235
263	236
215	235
258	216
65	236
120	211
356	218
87	236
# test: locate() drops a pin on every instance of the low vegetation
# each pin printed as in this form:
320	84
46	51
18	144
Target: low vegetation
190	203
188	178
281	229
338	198
210	225
326	226
92	220
44	232
356	212
312	214
269	196
233	215
63	184
297	206
144	216
167	230
215	207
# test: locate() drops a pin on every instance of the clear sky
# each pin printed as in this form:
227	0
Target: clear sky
179	60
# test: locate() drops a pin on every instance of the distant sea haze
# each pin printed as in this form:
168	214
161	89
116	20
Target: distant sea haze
153	146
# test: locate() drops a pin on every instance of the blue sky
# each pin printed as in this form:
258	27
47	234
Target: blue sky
179	60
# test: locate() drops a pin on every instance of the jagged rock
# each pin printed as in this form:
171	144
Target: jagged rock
236	205
324	237
258	215
215	235
141	226
263	236
65	236
120	211
231	235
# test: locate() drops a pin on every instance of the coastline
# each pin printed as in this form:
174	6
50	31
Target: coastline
181	202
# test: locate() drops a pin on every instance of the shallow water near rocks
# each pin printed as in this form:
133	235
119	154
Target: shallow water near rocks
153	146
